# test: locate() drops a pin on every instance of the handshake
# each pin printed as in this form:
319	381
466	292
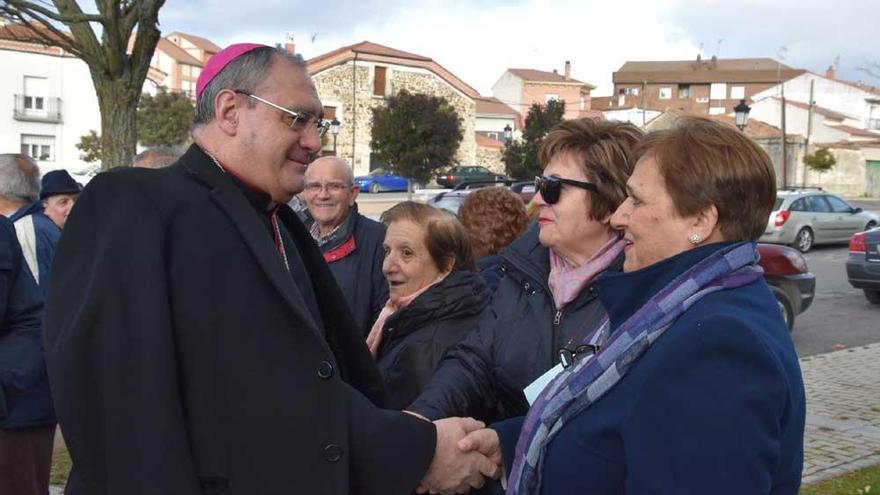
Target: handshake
466	454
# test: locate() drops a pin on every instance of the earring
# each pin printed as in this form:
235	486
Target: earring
695	239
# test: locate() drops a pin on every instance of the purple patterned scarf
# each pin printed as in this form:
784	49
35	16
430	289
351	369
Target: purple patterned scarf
588	380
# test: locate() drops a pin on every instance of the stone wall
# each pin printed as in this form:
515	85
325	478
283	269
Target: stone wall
354	101
490	158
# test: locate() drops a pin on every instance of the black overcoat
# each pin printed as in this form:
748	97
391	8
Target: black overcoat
184	360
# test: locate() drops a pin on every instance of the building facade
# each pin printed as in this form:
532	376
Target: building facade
704	87
521	88
354	79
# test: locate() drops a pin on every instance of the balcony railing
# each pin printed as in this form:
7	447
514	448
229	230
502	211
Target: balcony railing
37	108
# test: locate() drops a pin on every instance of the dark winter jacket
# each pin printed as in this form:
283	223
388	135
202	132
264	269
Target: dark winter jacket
356	262
518	339
490	269
715	405
24	386
417	336
45	234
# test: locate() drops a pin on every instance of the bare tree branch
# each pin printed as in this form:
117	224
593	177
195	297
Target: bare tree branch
45	33
45	12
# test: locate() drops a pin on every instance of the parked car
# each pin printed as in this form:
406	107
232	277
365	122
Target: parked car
459	174
863	265
451	200
791	282
379	180
810	216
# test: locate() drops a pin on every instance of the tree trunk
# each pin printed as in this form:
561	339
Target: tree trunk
118	104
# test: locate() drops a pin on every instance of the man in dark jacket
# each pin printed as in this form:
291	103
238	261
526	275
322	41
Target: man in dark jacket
351	243
27	422
197	342
58	194
37	234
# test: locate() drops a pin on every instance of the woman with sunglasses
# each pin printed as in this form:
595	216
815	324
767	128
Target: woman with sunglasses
695	386
545	299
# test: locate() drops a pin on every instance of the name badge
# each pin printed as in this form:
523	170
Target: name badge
534	389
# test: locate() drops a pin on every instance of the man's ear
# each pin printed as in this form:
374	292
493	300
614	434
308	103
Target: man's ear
355	190
227	107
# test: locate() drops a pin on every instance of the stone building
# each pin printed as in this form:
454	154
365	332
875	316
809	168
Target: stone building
354	79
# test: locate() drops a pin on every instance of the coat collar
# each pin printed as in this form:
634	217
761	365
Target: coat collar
233	202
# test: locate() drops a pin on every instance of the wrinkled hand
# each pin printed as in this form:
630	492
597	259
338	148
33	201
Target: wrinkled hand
484	441
453	470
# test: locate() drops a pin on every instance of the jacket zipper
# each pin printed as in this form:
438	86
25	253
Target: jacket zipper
557	317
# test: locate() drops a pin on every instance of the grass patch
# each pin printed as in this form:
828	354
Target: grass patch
60	466
862	482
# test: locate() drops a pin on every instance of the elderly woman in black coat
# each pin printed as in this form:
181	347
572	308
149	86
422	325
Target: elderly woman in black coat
435	297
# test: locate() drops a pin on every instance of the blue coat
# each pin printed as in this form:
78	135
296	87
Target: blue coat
359	273
24	387
716	405
46	235
517	340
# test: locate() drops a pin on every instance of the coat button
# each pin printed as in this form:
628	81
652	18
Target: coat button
325	370
332	453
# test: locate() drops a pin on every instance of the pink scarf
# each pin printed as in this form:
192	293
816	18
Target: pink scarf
374	339
566	281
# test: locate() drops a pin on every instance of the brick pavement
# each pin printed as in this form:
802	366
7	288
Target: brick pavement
843	411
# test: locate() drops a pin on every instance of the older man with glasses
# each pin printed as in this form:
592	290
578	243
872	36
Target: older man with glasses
350	242
197	341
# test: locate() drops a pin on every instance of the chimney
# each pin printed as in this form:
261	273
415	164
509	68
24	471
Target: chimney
568	70
714	63
289	45
555	71
829	72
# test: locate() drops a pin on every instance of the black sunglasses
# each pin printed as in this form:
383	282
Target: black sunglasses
551	187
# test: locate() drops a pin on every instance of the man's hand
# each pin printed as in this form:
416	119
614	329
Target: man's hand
455	471
484	441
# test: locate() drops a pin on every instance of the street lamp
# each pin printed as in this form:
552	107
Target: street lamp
508	133
742	114
334	129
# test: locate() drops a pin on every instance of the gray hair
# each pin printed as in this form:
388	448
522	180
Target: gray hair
244	73
19	177
156	157
349	173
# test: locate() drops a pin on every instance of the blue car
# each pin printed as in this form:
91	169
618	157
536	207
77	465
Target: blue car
379	180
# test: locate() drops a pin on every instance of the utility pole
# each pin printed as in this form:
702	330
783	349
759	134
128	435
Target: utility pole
809	130
784	139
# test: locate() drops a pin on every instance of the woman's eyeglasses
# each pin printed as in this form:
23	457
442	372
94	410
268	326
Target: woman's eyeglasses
551	187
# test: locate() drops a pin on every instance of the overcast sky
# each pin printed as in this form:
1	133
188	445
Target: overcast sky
477	40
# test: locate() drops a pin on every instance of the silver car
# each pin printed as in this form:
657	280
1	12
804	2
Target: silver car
805	217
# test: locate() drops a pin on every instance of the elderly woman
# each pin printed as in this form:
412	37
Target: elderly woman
546	298
493	217
435	297
695	387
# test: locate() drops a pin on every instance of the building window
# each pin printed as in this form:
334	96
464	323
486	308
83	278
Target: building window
630	91
737	92
329	112
38	147
874	124
703	99
718	91
665	93
35	91
583	103
551	97
379	81
684	91
716	111
492	135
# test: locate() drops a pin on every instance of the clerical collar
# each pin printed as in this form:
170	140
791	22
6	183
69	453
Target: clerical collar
260	200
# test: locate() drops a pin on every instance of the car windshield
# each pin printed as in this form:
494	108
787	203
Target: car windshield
450	204
376	172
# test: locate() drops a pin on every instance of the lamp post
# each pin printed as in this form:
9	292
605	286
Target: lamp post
334	129
508	133
742	114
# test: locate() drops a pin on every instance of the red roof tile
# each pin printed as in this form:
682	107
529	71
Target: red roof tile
177	53
855	131
203	43
489	105
827	113
27	33
705	71
533	75
487	142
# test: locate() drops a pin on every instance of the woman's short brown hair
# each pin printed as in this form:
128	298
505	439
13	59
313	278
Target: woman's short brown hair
604	150
493	217
445	238
706	163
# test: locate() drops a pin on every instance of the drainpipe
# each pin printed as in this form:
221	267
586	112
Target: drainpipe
354	108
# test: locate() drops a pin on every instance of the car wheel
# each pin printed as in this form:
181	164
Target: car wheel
374	188
870	225
803	241
873	296
785	308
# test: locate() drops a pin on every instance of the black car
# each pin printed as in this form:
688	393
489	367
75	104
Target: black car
457	175
863	265
451	200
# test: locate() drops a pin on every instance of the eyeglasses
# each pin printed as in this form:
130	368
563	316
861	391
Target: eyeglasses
298	121
551	187
332	187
